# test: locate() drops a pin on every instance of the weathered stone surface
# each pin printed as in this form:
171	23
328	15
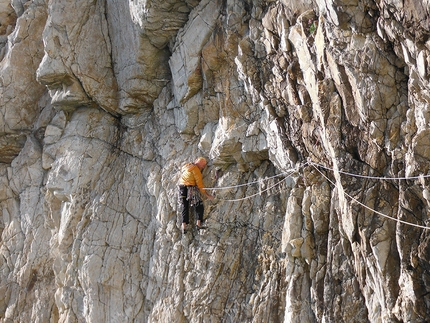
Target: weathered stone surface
23	53
101	102
185	62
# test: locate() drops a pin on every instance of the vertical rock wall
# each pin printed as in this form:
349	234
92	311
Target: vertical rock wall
314	118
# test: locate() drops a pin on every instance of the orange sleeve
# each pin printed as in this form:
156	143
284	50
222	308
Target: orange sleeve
199	179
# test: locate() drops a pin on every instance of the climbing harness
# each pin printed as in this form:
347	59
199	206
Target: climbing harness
194	196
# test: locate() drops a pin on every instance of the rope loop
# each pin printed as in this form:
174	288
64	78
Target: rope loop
290	172
367	207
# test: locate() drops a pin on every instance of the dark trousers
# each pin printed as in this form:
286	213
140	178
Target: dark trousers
185	206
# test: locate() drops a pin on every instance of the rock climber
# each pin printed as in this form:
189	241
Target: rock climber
191	190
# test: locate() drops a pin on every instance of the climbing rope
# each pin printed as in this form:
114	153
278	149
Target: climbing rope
256	194
287	173
369	208
369	177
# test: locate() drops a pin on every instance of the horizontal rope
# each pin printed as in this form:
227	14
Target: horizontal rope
256	194
287	173
370	177
369	208
315	165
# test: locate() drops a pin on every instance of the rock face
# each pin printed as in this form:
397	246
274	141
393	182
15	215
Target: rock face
314	116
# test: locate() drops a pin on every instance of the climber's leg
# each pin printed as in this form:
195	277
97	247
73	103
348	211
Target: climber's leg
185	206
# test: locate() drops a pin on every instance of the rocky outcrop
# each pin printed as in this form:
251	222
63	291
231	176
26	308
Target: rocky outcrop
314	119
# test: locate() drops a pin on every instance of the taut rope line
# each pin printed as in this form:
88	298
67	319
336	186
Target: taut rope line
369	208
287	173
315	165
259	193
370	177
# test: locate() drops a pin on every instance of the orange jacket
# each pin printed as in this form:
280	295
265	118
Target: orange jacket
191	176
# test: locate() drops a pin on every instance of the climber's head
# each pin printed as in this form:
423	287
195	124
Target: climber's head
200	162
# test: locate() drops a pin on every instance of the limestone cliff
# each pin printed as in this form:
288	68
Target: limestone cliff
314	116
